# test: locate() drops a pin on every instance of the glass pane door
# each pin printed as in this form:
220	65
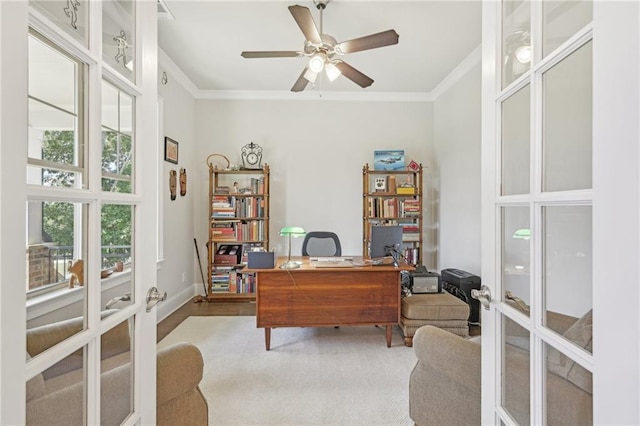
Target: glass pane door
540	340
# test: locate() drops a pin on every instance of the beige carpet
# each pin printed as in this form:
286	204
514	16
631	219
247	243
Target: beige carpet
311	376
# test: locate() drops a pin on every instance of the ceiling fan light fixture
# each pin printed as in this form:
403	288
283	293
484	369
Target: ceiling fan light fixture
523	54
310	76
316	63
332	71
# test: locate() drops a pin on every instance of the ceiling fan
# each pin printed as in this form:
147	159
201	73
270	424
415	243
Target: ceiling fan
324	51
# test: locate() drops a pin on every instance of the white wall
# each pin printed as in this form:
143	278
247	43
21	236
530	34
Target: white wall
456	173
177	273
316	150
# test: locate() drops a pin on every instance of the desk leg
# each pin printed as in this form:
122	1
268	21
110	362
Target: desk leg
267	337
389	330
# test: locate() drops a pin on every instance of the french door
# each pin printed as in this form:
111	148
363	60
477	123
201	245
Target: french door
560	212
78	197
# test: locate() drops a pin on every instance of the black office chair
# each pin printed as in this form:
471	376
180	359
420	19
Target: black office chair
321	243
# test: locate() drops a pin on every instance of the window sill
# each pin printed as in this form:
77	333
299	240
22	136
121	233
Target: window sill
59	299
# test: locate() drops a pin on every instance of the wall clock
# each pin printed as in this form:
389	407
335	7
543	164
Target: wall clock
252	156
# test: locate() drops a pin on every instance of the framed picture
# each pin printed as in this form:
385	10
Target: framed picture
170	150
388	159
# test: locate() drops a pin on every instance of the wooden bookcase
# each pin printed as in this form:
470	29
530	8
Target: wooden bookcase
238	220
394	197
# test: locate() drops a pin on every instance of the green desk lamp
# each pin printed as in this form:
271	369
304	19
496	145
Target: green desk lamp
291	231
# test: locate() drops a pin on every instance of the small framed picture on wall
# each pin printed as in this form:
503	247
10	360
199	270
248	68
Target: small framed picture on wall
170	150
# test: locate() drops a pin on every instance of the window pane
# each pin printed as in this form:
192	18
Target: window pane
110	114
56	241
117	251
52	76
118	36
56	150
561	20
568	281
516	246
516	40
117	231
568	389
65	377
515	143
116	381
117	140
515	371
70	15
567	122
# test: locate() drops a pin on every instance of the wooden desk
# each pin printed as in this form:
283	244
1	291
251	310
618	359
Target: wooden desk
314	297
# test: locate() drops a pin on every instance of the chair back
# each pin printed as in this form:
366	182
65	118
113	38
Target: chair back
321	243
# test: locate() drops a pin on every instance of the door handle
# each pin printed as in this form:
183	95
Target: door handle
154	296
124	298
483	295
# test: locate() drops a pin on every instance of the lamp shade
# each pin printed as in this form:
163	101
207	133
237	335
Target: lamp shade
293	231
316	63
522	234
332	71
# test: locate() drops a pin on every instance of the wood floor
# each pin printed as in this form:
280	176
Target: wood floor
222	309
203	309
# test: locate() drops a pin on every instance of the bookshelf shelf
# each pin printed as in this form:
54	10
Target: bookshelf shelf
393	197
238	219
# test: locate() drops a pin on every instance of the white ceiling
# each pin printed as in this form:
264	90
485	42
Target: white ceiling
206	38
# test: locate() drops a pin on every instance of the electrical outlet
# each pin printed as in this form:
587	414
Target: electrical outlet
184	277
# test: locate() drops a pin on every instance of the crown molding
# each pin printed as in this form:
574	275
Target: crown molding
449	81
173	70
313	95
458	72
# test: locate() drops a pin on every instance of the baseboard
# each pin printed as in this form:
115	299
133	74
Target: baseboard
170	305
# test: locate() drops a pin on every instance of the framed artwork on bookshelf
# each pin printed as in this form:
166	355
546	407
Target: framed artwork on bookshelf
388	159
170	150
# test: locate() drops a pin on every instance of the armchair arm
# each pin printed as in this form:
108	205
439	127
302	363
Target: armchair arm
452	355
179	371
41	338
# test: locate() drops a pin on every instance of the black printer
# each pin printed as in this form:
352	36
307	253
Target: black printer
466	282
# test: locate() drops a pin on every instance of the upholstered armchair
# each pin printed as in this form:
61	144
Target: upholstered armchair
444	387
54	395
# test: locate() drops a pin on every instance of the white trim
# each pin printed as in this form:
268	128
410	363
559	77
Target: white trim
173	303
458	72
314	95
174	71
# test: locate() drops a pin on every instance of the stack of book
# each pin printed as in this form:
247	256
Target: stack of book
220	279
222	207
225	230
410	232
410	208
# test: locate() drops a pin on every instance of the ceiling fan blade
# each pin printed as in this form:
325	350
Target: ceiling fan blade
301	82
271	54
385	38
353	74
303	18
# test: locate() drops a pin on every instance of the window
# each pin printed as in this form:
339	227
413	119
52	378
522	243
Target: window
117	139
57	157
56	130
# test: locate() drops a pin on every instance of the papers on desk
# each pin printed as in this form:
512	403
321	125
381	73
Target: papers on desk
330	258
332	263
